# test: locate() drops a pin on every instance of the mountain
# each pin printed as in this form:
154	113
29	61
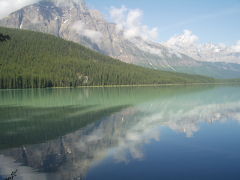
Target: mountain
32	59
187	43
72	20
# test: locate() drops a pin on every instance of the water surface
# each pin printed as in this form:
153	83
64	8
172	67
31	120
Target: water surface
169	133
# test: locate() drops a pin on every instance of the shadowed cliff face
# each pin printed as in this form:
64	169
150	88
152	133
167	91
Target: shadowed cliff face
72	20
78	138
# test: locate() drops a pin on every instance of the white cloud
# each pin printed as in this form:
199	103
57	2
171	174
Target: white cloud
129	21
144	46
185	39
236	47
8	164
9	6
81	29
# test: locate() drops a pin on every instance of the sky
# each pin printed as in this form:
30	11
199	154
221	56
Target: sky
212	21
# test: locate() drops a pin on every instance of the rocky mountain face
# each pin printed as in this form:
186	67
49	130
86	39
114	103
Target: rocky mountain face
72	20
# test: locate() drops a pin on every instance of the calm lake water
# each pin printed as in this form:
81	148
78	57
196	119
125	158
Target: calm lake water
150	133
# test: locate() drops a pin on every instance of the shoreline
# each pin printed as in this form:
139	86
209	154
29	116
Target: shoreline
151	85
136	85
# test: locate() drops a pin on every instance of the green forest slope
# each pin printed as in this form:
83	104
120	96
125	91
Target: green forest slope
36	60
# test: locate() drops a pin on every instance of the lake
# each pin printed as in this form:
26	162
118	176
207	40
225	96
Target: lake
143	133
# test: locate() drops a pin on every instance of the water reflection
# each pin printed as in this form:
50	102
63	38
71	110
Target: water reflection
61	134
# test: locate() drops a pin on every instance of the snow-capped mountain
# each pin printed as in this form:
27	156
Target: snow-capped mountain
187	43
74	21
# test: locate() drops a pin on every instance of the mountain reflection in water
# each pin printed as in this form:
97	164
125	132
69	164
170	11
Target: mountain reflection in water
69	133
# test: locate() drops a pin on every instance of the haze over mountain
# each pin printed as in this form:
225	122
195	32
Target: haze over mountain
74	21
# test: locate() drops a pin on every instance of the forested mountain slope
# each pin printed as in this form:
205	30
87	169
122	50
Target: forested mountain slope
32	59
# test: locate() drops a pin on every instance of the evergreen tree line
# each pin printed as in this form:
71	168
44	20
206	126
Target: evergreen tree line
4	37
36	60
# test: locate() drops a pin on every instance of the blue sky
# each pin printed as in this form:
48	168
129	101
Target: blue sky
216	21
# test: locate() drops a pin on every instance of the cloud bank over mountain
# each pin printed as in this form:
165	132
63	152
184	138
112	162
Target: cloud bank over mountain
82	30
130	22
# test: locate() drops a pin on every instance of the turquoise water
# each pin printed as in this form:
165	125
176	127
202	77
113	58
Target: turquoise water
169	133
